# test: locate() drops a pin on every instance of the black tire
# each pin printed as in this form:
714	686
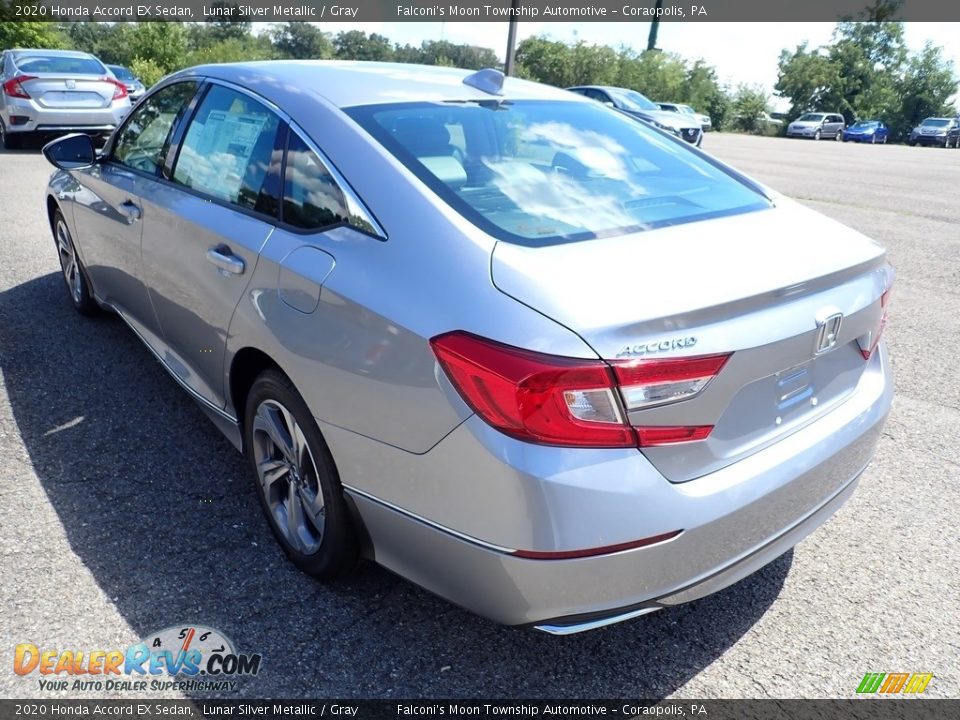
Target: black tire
839	136
72	270
816	135
337	549
10	142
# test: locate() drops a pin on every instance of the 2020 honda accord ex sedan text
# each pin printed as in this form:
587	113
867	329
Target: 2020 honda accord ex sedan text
548	362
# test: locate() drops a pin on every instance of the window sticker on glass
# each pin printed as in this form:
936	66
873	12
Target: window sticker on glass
228	148
219	160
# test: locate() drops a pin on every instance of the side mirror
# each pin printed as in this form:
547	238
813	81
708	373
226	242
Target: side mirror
609	103
71	152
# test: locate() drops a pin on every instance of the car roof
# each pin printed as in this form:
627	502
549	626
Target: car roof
51	53
351	83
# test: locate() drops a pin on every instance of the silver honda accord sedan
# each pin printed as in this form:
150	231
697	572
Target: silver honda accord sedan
549	363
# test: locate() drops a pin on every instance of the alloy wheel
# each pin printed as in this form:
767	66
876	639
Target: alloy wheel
288	477
69	263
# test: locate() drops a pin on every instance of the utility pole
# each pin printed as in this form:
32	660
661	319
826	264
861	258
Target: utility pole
654	27
512	38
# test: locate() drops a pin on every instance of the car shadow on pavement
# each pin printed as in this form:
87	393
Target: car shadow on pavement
161	510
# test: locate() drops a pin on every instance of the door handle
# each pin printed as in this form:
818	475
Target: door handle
223	258
130	210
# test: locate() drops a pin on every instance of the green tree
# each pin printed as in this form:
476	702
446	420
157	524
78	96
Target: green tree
703	92
235	26
163	43
927	85
544	60
810	79
747	107
14	33
147	70
357	45
111	42
867	72
236	49
441	52
301	41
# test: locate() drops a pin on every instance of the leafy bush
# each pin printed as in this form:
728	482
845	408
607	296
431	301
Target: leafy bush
147	70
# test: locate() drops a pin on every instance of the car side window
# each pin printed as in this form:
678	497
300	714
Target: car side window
229	149
144	139
312	200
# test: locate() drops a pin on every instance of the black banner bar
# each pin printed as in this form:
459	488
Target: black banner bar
855	709
468	10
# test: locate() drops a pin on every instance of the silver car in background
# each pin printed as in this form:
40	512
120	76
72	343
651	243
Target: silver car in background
705	122
818	125
57	91
640	106
545	361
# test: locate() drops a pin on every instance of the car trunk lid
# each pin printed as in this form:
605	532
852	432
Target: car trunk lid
762	285
56	91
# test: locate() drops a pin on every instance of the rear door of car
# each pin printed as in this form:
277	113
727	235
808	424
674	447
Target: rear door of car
205	226
833	125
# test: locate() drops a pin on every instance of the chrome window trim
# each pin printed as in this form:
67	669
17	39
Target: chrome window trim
355	206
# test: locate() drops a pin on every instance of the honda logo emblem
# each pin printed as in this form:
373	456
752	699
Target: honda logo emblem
828	332
71	84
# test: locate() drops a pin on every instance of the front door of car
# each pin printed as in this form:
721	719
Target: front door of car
108	214
207	228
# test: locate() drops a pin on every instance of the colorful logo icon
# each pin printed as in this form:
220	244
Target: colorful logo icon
891	683
200	655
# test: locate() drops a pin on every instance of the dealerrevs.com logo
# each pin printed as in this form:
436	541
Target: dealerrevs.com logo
185	658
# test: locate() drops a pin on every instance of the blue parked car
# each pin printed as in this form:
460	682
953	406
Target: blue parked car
871	131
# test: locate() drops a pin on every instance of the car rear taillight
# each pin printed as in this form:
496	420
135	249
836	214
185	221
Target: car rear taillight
13	87
868	343
119	90
570	402
646	383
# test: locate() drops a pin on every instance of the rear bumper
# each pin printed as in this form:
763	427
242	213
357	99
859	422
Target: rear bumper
734	520
40	119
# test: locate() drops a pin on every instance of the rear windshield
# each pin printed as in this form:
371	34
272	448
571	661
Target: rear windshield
59	64
121	73
538	172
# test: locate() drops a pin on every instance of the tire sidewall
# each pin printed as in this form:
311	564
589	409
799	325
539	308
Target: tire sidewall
86	305
338	553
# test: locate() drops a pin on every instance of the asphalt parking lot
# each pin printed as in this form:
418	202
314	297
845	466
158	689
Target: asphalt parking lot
123	511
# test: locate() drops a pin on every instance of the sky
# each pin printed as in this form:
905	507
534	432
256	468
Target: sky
741	52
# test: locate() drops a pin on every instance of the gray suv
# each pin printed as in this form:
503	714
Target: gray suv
934	131
817	126
57	91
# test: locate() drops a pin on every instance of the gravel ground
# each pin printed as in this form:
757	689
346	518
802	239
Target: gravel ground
123	511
